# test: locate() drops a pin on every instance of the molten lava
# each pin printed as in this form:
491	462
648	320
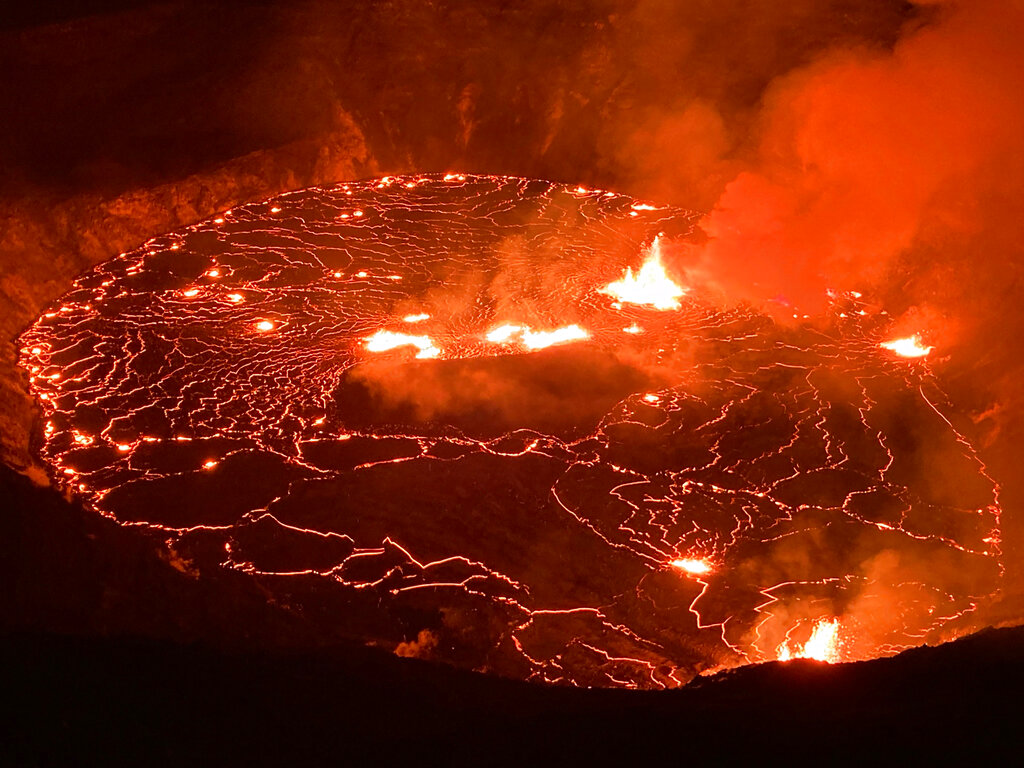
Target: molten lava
660	500
504	333
650	286
822	645
542	339
910	346
692	566
531	339
383	341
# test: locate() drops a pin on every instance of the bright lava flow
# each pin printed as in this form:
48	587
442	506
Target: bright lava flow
481	419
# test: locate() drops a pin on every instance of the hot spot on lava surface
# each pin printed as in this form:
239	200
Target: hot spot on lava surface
478	419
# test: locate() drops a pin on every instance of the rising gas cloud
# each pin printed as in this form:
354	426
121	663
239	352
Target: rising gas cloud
897	171
868	160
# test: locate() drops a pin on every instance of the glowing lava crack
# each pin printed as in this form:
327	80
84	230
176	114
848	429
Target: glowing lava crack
483	412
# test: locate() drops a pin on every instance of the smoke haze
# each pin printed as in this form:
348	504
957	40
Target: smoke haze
868	160
897	172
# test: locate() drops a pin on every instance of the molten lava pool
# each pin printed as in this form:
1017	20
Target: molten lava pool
481	420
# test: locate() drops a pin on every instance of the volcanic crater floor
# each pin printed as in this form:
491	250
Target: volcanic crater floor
411	408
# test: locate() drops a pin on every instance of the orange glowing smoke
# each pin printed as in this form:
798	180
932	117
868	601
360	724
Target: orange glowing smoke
382	341
822	645
650	286
692	566
908	347
867	156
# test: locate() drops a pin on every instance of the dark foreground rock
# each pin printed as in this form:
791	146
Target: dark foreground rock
112	653
74	700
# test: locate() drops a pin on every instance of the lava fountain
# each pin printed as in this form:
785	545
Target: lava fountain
483	412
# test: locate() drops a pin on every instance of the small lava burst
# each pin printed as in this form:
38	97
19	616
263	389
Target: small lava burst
542	339
383	341
265	326
650	286
503	333
692	566
531	339
822	645
909	346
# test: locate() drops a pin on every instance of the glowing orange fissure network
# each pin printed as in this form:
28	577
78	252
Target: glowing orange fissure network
216	352
651	286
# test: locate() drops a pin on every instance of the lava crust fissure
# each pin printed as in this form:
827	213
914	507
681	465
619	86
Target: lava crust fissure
437	413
